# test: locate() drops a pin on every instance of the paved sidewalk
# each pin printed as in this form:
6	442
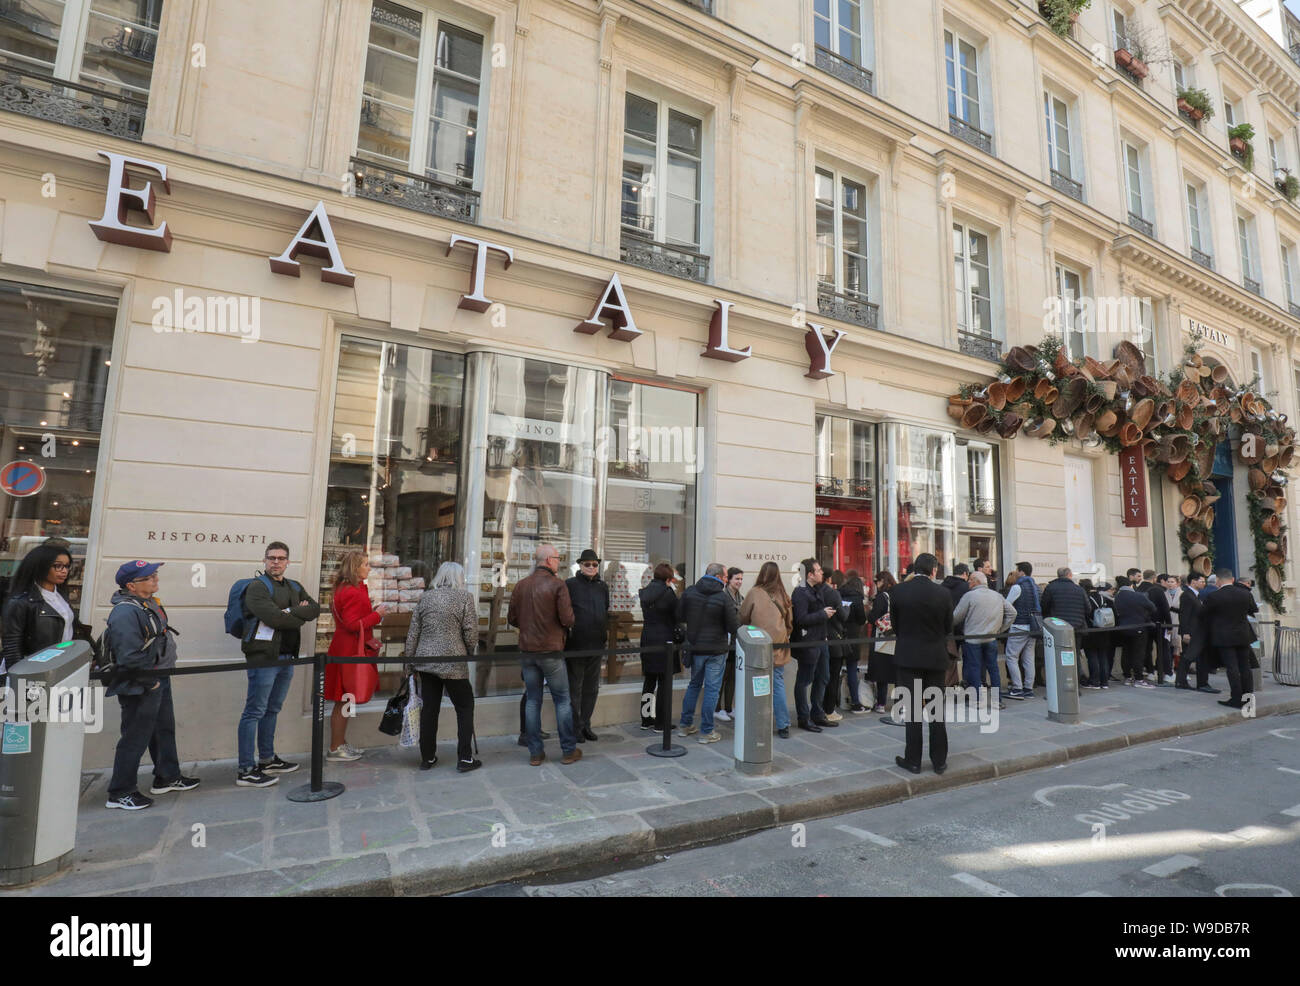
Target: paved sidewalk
399	830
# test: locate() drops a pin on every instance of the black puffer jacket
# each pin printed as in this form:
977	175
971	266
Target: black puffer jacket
855	618
710	616
1066	600
659	613
1132	608
590	599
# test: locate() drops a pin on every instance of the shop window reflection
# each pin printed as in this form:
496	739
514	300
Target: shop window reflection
845	494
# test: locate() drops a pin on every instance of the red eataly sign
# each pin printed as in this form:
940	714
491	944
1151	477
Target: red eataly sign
1132	472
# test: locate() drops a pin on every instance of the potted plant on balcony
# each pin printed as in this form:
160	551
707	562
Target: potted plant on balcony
1062	14
1132	59
1239	142
1286	183
1195	103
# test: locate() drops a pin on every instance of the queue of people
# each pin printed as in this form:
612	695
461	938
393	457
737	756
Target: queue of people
1159	624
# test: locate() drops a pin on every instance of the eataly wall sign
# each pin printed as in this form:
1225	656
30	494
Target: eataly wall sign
316	239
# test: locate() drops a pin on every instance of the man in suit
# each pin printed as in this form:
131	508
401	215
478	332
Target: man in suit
1190	627
1223	617
1156	590
921	611
1133	609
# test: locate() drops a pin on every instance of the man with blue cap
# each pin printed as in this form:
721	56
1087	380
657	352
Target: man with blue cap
142	642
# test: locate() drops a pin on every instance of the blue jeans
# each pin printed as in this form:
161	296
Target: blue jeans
267	688
780	711
556	673
978	657
706	674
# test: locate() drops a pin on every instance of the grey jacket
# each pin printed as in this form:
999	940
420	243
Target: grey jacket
983	611
445	622
141	640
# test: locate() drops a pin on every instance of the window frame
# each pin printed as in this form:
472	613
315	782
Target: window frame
957	98
834	28
1246	247
1198	230
1128	147
1054	151
1070	325
968	229
838	178
432	17
664	108
1288	269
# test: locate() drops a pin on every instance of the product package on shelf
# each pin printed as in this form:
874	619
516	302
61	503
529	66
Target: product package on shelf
399	572
416	583
410	595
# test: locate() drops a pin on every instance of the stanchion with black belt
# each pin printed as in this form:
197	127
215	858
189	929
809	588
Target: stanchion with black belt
319	789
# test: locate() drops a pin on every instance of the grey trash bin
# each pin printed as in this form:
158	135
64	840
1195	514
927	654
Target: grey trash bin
40	762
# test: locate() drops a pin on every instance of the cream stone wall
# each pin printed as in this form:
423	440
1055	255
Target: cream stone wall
208	434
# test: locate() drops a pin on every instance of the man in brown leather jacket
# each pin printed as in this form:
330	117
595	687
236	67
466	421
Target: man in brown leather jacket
541	609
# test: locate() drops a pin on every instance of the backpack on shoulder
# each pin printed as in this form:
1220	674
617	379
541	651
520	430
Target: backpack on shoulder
240	623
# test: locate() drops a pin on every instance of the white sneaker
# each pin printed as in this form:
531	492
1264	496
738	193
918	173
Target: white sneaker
353	750
712	737
834	716
342	754
722	716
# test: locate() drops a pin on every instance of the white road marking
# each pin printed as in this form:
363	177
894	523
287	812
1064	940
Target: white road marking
1041	794
863	834
1289	770
1294	811
1195	753
1282	733
1172	865
983	886
1223	890
1092	893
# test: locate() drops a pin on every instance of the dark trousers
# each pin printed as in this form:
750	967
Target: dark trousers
148	723
1194	653
1133	643
917	681
584	686
831	699
881	668
1164	656
810	684
1236	663
462	699
727	697
660	709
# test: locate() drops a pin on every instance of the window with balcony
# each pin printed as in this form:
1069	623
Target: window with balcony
661	210
1074	327
1135	186
84	63
1062	162
421	106
971	276
842	39
1288	277
1146	334
843	249
965	118
1249	255
1198	228
1259	369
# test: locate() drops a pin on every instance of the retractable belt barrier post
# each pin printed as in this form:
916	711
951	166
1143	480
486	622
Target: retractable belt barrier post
664	693
319	789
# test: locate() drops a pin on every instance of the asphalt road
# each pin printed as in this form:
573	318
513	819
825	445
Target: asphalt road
1217	814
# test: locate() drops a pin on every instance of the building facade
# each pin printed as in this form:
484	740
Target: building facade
681	281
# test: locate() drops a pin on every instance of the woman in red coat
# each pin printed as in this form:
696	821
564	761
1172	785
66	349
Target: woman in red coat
354	619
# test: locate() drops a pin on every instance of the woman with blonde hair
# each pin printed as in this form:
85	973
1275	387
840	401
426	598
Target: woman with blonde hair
767	606
354	619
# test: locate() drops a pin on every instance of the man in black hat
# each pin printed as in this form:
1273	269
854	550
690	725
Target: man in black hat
590	598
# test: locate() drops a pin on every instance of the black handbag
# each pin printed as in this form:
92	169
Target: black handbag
395	710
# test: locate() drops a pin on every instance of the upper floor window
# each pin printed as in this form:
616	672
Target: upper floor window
1146	315
1069	291
1119	25
1276	161
1062	159
1249	255
104	45
1229	111
843	230
423	95
1183	78
962	59
663	156
838	27
1136	186
972	266
1288	272
1198	228
1260	370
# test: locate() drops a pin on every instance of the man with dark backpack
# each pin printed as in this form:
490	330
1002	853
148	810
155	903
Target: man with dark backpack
275	608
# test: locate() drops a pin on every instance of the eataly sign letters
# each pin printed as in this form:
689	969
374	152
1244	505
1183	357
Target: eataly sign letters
315	238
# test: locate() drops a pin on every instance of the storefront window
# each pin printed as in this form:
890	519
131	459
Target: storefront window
918	476
55	349
978	504
395	454
846	484
537	439
652	450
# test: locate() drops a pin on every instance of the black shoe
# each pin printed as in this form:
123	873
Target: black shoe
1230	703
784	733
428	764
277	766
1182	684
133	801
1209	689
588	735
940	768
465	766
811	727
255	778
521	741
907	766
825	723
181	783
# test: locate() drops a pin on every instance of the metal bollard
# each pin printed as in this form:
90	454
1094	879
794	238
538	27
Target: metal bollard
318	789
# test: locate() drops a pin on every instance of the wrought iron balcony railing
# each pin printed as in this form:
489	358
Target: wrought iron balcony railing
1063	183
972	135
666	258
829	485
847	308
1203	258
416	192
1293	308
1252	285
1142	225
702	5
1190	119
844	70
979	345
855	487
981	506
70	103
1295	52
